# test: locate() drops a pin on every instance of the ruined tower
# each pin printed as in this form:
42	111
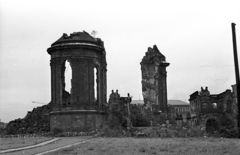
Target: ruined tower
81	108
154	79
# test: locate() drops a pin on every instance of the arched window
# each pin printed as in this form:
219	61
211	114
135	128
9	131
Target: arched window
95	84
66	81
214	105
68	76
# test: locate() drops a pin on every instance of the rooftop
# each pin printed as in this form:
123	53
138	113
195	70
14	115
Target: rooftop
78	39
170	102
177	102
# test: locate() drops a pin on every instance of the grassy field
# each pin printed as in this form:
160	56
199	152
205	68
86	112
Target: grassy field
158	146
9	143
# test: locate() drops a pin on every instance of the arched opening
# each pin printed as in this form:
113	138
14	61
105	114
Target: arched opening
95	84
211	125
68	76
214	105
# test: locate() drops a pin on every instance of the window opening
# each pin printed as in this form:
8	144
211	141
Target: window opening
68	77
95	84
214	105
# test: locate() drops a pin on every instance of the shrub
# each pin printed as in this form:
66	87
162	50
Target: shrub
30	131
108	131
57	131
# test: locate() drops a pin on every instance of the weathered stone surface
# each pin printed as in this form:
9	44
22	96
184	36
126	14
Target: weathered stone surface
78	109
213	109
203	102
154	75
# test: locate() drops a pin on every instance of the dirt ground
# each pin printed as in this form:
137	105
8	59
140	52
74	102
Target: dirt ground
158	146
9	143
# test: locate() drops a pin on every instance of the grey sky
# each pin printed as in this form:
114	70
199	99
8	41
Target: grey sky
195	37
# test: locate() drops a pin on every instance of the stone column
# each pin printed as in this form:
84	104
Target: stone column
58	83
162	88
53	82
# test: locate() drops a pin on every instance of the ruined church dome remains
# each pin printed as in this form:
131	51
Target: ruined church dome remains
81	108
154	79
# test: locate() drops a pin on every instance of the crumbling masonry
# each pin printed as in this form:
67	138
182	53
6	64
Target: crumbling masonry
81	109
154	79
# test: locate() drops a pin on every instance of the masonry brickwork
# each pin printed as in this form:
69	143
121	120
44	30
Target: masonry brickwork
80	109
154	78
206	107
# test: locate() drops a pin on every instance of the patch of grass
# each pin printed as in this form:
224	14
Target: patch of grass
9	143
166	146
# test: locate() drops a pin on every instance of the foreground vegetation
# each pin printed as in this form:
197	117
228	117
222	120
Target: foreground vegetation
166	146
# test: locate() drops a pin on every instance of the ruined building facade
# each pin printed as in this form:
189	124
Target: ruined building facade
81	108
154	79
206	108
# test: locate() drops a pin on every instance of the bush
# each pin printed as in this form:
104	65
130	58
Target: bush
225	128
229	133
11	130
30	131
167	132
195	132
57	132
108	131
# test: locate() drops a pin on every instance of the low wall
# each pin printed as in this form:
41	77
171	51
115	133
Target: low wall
76	120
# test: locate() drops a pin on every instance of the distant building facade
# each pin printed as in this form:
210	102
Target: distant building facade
178	108
175	108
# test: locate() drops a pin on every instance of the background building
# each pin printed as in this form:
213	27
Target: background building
175	107
178	107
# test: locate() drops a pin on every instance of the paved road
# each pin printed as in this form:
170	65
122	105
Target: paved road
64	141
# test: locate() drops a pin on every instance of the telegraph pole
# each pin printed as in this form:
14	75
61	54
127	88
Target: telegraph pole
236	72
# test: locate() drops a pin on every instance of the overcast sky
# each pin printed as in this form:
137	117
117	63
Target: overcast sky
195	36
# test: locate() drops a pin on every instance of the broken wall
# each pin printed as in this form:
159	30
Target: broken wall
154	76
82	106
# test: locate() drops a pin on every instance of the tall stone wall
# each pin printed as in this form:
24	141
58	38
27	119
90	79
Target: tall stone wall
154	78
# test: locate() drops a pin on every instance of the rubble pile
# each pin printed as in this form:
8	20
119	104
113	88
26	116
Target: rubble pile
36	121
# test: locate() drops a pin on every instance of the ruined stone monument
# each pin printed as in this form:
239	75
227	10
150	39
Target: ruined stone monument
81	108
154	79
207	109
